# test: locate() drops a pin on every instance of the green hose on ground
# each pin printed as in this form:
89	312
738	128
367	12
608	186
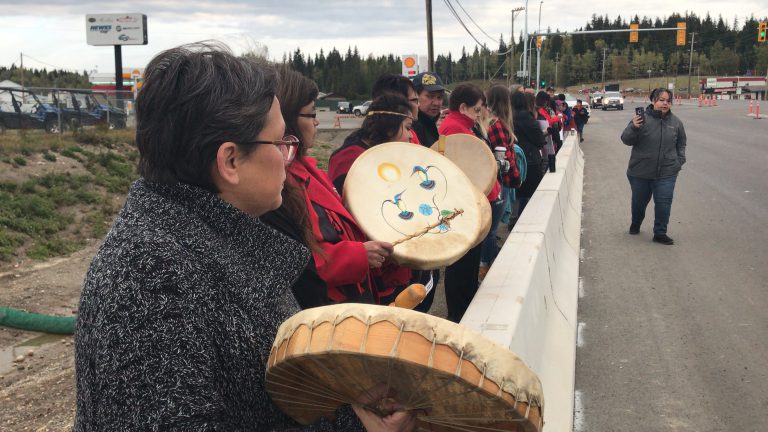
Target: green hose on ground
10	317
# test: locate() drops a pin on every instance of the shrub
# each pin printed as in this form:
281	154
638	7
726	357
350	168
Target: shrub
19	161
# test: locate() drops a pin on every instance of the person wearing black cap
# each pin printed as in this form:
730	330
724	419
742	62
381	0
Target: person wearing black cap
430	89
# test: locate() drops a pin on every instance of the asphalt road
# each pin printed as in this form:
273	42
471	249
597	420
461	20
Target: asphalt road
675	338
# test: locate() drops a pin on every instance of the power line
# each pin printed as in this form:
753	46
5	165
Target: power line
473	21
458	18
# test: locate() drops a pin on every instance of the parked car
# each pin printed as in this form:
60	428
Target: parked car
344	107
361	110
596	100
22	109
612	100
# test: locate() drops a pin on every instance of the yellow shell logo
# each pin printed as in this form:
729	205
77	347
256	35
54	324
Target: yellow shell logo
428	80
389	172
409	62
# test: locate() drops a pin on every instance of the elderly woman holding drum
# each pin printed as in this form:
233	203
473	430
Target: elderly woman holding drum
183	299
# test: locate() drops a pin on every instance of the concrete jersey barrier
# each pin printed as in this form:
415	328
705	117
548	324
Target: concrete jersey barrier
528	300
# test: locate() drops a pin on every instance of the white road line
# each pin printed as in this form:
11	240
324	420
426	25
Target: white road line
578	412
580	335
581	287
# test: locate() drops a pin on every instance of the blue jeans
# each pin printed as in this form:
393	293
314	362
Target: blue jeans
490	247
661	190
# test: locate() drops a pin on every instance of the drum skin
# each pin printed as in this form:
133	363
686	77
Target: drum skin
395	190
452	378
473	157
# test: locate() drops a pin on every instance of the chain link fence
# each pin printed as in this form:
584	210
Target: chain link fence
56	110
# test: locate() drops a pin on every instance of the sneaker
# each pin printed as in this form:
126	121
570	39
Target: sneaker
663	239
634	229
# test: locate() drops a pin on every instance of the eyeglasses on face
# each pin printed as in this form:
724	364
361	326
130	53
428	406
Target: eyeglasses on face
310	115
288	146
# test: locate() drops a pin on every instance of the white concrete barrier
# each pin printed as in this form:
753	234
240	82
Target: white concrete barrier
528	300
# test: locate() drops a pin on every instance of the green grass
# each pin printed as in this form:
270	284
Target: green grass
38	216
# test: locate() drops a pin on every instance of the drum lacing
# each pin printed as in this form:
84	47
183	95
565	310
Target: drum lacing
393	352
365	335
309	340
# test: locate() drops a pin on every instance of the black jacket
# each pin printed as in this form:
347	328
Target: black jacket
426	129
658	145
529	136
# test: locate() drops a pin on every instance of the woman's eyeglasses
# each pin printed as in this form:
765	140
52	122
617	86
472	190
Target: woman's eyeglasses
288	146
312	115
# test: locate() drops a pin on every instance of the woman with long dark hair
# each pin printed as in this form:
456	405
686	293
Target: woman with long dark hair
531	139
389	119
461	278
314	213
501	138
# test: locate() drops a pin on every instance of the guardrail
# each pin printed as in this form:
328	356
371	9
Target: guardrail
528	300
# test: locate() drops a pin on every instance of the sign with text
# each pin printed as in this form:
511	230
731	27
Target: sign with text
410	65
116	29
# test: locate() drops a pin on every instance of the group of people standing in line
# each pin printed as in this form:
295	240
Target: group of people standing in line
233	228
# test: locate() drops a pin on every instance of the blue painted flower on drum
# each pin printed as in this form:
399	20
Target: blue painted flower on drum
425	209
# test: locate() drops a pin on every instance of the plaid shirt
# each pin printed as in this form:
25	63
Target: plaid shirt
499	136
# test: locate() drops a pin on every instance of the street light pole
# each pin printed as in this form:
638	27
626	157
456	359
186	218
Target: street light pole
512	55
538	51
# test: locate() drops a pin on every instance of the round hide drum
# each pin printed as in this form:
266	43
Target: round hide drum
473	156
422	202
451	378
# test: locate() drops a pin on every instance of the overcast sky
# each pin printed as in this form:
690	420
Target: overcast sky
52	32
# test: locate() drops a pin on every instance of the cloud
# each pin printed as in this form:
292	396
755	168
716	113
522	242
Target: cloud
54	31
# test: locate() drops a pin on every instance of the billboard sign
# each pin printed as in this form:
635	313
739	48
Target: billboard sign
116	29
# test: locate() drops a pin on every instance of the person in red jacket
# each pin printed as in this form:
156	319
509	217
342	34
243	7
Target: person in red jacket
461	278
389	119
313	211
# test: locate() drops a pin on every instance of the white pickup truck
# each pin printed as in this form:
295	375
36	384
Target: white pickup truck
612	100
361	110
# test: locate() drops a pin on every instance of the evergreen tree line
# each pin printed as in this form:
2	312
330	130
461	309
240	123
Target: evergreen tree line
720	48
45	79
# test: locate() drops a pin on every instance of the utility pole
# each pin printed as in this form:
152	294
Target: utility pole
430	48
690	64
604	49
525	43
512	55
22	69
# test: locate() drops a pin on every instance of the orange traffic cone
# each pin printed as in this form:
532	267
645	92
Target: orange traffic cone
750	106
714	100
757	111
699	101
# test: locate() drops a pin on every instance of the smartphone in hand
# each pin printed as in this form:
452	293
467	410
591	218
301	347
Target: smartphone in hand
640	111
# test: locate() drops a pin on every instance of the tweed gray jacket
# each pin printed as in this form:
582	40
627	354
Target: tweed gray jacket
658	146
178	314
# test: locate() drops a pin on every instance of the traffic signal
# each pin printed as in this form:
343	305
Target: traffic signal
543	83
533	83
538	41
633	35
761	31
681	34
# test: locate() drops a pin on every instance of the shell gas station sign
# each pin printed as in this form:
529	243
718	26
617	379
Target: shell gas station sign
410	65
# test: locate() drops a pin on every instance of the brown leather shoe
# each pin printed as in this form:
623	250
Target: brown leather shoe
483	271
